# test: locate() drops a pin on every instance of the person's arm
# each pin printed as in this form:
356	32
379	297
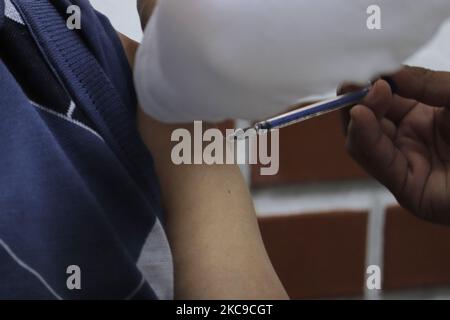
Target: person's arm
211	223
212	227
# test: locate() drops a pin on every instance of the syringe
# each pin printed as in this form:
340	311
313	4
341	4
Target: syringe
304	113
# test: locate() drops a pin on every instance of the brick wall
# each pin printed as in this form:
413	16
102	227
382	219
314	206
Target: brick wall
318	147
324	221
318	255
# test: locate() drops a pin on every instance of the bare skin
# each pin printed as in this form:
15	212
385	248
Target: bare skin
210	219
403	140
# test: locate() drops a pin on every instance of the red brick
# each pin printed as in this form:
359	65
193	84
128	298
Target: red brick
223	126
417	253
318	255
312	151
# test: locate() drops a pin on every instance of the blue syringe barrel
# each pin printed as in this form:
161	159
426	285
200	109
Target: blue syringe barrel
313	110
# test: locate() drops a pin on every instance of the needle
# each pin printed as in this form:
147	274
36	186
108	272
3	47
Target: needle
302	114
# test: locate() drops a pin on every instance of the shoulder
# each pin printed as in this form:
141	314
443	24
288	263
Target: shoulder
129	46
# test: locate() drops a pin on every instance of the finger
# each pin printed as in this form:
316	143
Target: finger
389	128
399	108
442	117
345	113
379	98
384	103
426	86
374	150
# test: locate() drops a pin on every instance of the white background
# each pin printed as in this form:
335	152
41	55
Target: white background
122	14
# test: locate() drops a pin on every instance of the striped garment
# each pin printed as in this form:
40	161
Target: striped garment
79	199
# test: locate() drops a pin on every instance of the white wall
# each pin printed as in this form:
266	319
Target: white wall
122	14
436	55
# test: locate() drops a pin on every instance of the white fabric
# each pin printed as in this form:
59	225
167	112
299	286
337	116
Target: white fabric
155	263
12	13
217	59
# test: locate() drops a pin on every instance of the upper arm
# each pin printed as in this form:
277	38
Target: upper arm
130	47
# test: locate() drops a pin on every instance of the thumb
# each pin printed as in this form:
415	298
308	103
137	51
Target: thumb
426	86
